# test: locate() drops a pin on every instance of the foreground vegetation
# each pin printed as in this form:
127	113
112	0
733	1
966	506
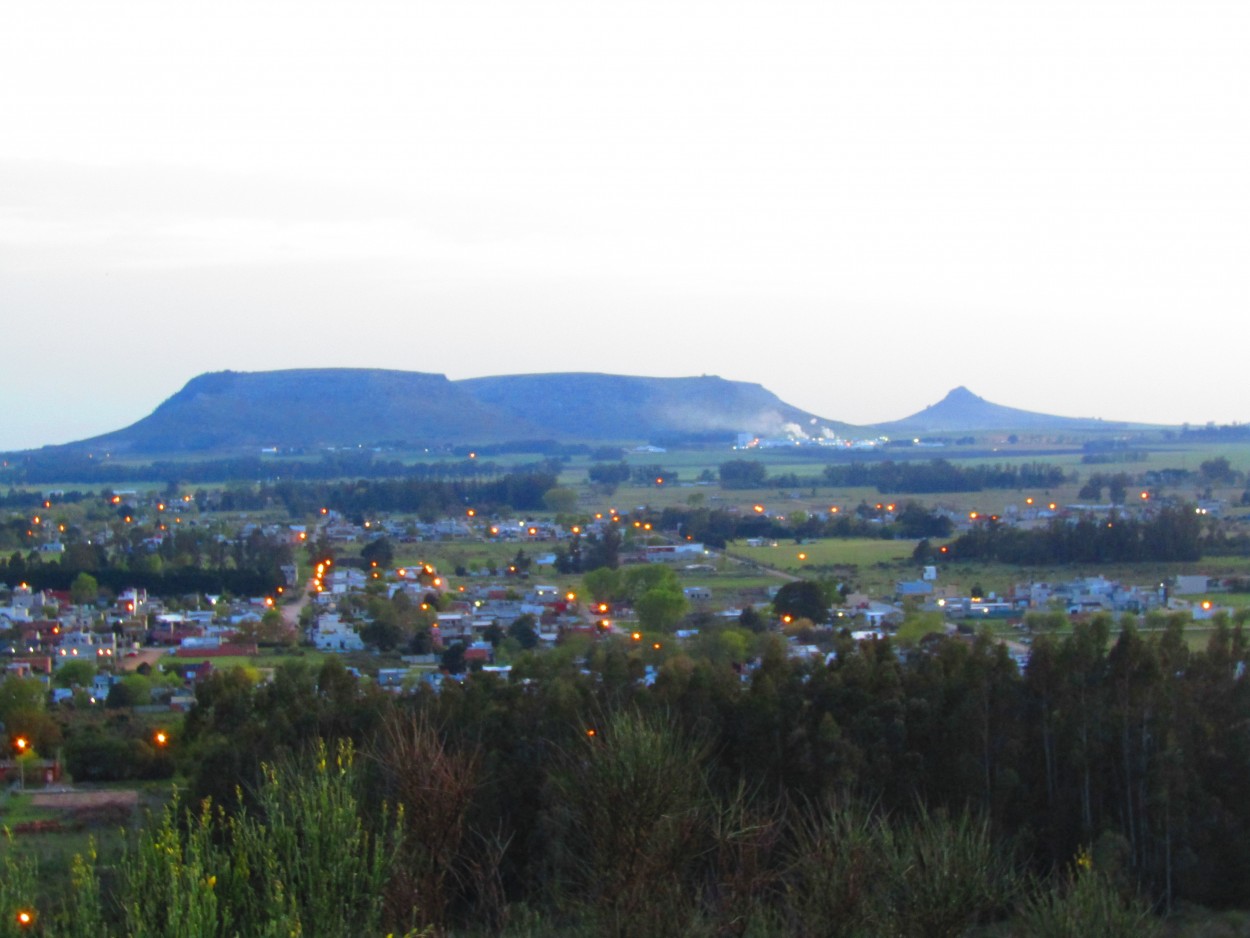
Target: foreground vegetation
915	792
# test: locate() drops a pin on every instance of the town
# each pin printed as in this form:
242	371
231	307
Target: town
130	616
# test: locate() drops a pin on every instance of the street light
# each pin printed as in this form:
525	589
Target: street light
21	743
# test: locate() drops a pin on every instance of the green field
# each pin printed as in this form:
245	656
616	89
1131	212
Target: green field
810	556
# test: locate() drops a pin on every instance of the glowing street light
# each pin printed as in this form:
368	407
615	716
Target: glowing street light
21	744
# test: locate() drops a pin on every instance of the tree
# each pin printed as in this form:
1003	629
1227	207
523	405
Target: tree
84	590
661	608
19	695
751	620
608	474
603	584
523	630
75	673
379	551
562	501
642	579
382	634
452	660
801	599
743	474
1216	471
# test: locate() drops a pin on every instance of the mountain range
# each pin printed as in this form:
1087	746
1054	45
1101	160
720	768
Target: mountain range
339	406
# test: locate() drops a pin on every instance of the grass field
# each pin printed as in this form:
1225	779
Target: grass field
826	554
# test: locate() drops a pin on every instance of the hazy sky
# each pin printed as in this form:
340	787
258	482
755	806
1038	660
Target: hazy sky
859	205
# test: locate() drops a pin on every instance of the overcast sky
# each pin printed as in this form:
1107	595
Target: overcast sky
858	205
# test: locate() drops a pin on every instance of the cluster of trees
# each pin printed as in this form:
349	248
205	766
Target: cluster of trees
27	498
522	489
1173	534
653	590
166	582
939	475
188	560
1116	485
890	791
717	527
890	477
36	469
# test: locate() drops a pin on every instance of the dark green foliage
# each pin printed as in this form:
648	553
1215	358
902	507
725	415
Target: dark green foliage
524	630
1174	534
938	475
575	799
608	473
802	599
743	474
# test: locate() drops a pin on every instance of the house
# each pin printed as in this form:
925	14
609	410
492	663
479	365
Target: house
877	614
1193	585
333	634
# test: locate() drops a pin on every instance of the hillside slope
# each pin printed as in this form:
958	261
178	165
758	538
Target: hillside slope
613	407
961	411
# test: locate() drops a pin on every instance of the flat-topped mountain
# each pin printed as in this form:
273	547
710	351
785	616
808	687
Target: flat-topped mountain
349	406
598	406
961	411
309	407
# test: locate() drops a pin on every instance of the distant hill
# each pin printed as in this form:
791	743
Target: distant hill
345	407
598	406
961	411
309	407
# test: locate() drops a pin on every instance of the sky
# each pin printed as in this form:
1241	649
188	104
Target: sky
858	205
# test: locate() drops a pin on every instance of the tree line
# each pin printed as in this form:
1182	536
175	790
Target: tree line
35	469
772	793
1173	534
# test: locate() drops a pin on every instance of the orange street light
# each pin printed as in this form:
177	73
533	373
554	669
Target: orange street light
160	737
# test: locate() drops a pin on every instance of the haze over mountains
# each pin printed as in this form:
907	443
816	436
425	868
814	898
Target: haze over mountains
338	407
